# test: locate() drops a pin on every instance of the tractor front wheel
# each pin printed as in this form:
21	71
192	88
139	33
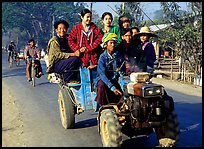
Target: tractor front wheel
110	129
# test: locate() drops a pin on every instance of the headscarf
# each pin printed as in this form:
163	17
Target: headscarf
109	36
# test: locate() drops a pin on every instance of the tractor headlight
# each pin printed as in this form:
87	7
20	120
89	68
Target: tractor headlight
153	91
145	89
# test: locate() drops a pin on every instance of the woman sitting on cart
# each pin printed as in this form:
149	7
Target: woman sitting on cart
86	38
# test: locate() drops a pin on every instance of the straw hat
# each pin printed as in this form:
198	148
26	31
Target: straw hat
146	31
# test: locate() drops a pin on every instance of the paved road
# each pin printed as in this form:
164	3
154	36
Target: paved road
42	125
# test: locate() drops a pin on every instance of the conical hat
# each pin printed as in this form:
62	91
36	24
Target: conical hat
146	30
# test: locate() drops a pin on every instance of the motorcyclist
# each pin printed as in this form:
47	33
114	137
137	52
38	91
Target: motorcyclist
32	51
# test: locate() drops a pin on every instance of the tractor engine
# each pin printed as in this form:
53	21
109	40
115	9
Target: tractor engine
144	101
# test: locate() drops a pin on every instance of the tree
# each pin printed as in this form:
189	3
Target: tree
132	10
32	19
185	35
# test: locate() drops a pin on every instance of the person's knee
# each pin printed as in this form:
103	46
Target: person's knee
75	59
100	84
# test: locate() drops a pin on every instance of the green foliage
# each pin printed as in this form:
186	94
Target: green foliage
35	19
186	34
132	10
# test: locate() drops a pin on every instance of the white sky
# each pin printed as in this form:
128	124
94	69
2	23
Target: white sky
148	7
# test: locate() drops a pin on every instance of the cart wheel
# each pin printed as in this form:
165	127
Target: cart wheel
66	107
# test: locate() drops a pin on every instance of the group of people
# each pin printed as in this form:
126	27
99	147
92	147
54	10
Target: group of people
100	50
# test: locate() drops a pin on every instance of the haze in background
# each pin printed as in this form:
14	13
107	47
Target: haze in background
148	7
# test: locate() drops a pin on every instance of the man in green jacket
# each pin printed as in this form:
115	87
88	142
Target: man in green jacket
61	58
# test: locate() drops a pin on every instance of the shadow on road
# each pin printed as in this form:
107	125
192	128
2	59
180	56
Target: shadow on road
86	123
43	83
18	71
143	141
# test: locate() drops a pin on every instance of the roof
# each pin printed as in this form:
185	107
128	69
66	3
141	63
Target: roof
155	28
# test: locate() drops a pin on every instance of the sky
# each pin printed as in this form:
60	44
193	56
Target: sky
148	7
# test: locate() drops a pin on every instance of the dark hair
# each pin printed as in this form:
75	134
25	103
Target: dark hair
85	11
106	13
121	20
31	40
135	27
61	21
125	30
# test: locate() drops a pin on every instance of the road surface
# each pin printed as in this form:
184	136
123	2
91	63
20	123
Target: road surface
31	116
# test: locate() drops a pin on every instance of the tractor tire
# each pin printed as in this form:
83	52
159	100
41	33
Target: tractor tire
66	107
110	129
168	135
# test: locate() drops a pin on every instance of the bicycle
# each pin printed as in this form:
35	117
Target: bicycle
13	58
33	70
10	59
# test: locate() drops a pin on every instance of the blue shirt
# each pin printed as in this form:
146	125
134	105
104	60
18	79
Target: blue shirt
106	66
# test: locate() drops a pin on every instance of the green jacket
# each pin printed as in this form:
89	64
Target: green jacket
54	52
115	29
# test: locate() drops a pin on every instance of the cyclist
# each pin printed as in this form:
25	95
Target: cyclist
32	51
11	50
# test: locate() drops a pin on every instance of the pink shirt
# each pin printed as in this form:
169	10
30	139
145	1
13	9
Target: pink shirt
32	52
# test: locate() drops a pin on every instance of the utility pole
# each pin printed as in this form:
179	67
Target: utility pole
53	29
123	7
91	6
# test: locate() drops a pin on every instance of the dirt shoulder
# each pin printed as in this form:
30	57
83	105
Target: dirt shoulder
12	123
188	89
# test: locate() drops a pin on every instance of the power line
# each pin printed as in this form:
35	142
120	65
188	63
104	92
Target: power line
148	17
142	12
113	9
